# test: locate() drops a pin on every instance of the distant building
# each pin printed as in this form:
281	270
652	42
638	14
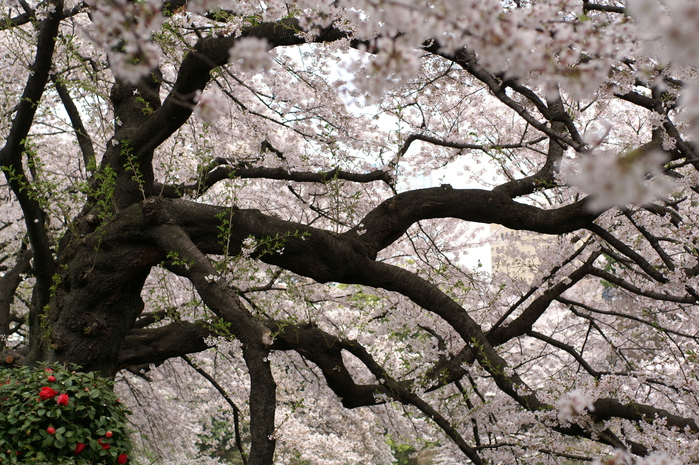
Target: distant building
514	252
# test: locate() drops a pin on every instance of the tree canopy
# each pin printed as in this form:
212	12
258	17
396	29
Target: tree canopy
265	220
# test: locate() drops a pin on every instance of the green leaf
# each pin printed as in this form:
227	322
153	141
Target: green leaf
47	441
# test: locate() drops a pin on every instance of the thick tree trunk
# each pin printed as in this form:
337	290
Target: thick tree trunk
94	302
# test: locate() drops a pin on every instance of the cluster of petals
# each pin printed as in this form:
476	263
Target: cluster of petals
125	28
622	457
572	404
210	106
251	54
614	181
49	393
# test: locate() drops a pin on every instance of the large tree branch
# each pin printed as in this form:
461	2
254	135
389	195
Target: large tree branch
389	221
11	158
221	169
612	408
195	73
325	350
628	251
187	260
155	345
614	279
81	134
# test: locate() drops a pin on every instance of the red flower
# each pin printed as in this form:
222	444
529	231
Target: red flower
51	379
122	459
51	430
49	370
47	393
104	446
79	447
108	435
62	399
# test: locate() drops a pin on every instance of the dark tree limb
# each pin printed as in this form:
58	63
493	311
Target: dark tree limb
524	322
587	6
389	221
628	251
325	351
190	262
612	408
566	348
607	276
11	160
81	134
224	170
155	345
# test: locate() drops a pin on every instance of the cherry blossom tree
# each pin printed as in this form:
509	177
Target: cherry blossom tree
215	203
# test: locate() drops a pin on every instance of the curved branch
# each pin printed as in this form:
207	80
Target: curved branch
467	60
187	260
651	324
524	322
460	145
612	408
222	171
587	6
607	276
11	156
155	345
325	351
389	221
195	73
81	133
402	394
567	348
628	251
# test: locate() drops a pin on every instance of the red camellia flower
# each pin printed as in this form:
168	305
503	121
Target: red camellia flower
122	459
108	435
79	447
47	393
62	399
51	430
51	379
104	446
49	370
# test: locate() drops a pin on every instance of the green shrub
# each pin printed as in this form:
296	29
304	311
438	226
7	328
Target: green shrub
56	416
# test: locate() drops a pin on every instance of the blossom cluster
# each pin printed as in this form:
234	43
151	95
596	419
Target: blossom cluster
251	54
572	404
611	180
622	457
125	28
210	106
